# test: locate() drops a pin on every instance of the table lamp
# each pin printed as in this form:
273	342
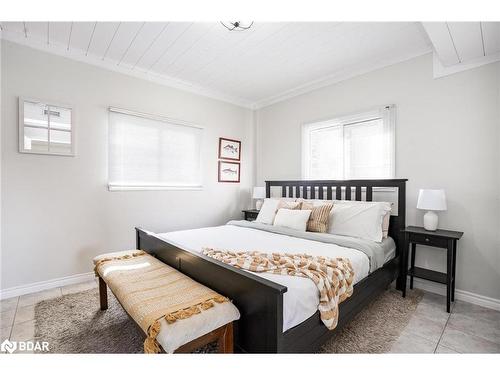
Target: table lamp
259	193
431	200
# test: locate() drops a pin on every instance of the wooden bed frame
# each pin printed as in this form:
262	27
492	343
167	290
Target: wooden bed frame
260	301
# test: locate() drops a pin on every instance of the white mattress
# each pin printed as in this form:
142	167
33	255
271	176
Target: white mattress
301	300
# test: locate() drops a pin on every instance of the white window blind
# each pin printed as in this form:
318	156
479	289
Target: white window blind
354	147
149	152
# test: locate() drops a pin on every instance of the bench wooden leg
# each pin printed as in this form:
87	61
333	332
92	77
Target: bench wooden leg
222	335
103	294
225	341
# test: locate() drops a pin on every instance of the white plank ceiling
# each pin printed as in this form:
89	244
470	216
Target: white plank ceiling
252	68
464	42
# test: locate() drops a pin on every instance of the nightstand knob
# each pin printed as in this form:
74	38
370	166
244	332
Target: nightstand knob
426	239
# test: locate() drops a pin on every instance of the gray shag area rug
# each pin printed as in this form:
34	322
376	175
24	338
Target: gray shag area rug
377	326
75	324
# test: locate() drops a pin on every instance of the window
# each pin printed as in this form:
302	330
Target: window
354	147
148	152
45	128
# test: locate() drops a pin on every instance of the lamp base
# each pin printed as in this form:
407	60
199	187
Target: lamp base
258	204
430	221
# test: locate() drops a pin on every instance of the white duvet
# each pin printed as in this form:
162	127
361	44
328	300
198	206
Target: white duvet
301	300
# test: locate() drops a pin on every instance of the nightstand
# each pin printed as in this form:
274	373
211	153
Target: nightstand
445	239
251	215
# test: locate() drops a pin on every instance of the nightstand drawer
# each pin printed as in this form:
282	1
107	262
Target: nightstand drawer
251	215
430	240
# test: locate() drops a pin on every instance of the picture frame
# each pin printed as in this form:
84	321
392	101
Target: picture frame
229	171
229	149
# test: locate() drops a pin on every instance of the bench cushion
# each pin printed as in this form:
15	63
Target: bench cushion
173	336
116	254
171	308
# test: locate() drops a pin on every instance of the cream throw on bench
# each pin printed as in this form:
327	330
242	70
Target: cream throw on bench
155	294
333	277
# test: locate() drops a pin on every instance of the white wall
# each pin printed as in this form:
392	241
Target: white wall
57	212
1	127
447	136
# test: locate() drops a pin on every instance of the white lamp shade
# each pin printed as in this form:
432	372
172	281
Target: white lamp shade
259	192
429	199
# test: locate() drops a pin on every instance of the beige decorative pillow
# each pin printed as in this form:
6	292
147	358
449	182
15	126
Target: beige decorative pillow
318	221
288	205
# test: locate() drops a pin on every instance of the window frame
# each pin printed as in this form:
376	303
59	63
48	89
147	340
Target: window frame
386	112
21	125
159	118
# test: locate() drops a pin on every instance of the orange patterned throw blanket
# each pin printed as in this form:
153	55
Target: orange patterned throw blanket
150	291
332	277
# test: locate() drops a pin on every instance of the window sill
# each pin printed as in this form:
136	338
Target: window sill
152	188
24	151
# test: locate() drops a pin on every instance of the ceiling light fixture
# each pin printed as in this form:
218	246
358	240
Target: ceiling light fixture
237	25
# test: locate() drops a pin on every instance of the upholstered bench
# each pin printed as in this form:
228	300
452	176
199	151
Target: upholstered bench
176	313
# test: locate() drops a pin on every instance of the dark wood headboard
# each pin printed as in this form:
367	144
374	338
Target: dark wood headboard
360	190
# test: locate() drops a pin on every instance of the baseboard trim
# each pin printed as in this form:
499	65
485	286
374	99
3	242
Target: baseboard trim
44	285
461	295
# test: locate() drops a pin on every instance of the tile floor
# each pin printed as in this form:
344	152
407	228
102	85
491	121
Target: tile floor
468	329
17	314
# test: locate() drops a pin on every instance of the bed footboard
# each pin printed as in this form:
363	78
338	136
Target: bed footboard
259	301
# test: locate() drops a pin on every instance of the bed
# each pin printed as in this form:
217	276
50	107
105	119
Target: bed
278	313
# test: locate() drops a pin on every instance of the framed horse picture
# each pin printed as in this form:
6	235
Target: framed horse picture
229	171
229	149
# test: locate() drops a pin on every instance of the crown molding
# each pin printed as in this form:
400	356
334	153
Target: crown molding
204	91
335	78
440	70
164	80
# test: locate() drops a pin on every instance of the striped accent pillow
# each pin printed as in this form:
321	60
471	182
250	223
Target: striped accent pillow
318	221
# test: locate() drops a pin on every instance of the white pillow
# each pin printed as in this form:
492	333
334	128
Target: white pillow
294	219
267	211
385	224
369	232
359	219
269	208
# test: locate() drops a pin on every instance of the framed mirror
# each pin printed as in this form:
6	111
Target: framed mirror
46	128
